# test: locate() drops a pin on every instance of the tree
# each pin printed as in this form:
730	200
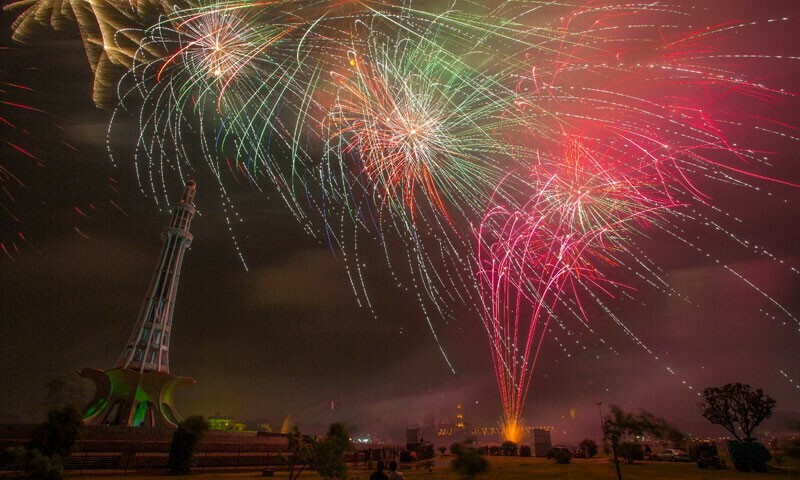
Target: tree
620	426
329	453
184	444
589	447
735	407
468	462
300	453
52	442
57	437
338	434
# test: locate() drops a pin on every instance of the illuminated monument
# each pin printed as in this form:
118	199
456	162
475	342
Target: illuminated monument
138	390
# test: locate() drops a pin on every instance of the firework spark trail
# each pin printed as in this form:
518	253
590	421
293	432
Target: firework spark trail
650	89
111	32
27	171
17	111
791	381
584	210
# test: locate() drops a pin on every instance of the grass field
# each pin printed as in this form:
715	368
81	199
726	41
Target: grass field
517	468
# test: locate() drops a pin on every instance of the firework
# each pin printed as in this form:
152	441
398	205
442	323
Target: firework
584	211
565	131
416	124
414	149
374	120
653	110
111	31
659	92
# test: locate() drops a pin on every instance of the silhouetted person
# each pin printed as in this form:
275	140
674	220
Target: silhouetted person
393	473
378	474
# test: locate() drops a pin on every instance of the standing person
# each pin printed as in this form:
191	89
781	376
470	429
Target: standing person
378	474
393	473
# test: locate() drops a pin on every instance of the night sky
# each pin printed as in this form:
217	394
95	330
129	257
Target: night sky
287	336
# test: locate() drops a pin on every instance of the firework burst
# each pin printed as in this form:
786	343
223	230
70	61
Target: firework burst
584	211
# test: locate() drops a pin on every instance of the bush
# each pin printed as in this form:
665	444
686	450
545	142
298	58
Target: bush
41	467
563	456
749	456
10	456
630	451
792	448
425	451
53	441
456	448
589	447
509	448
469	463
184	444
525	451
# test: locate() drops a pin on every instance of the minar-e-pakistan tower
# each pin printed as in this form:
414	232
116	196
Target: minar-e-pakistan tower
138	390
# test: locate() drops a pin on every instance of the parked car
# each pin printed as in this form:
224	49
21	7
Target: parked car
673	455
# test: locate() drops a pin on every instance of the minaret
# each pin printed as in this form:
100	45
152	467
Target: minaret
459	417
138	390
148	346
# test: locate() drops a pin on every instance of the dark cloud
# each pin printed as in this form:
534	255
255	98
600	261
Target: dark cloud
306	280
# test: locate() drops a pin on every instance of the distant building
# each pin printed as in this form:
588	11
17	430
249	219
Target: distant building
541	442
226	424
459	417
456	430
264	427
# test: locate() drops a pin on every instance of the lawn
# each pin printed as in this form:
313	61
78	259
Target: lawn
523	468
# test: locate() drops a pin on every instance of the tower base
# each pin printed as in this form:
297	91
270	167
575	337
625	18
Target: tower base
131	398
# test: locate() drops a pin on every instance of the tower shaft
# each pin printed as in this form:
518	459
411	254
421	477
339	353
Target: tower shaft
147	349
138	391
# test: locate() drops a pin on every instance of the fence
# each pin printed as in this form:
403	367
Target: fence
234	457
153	459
